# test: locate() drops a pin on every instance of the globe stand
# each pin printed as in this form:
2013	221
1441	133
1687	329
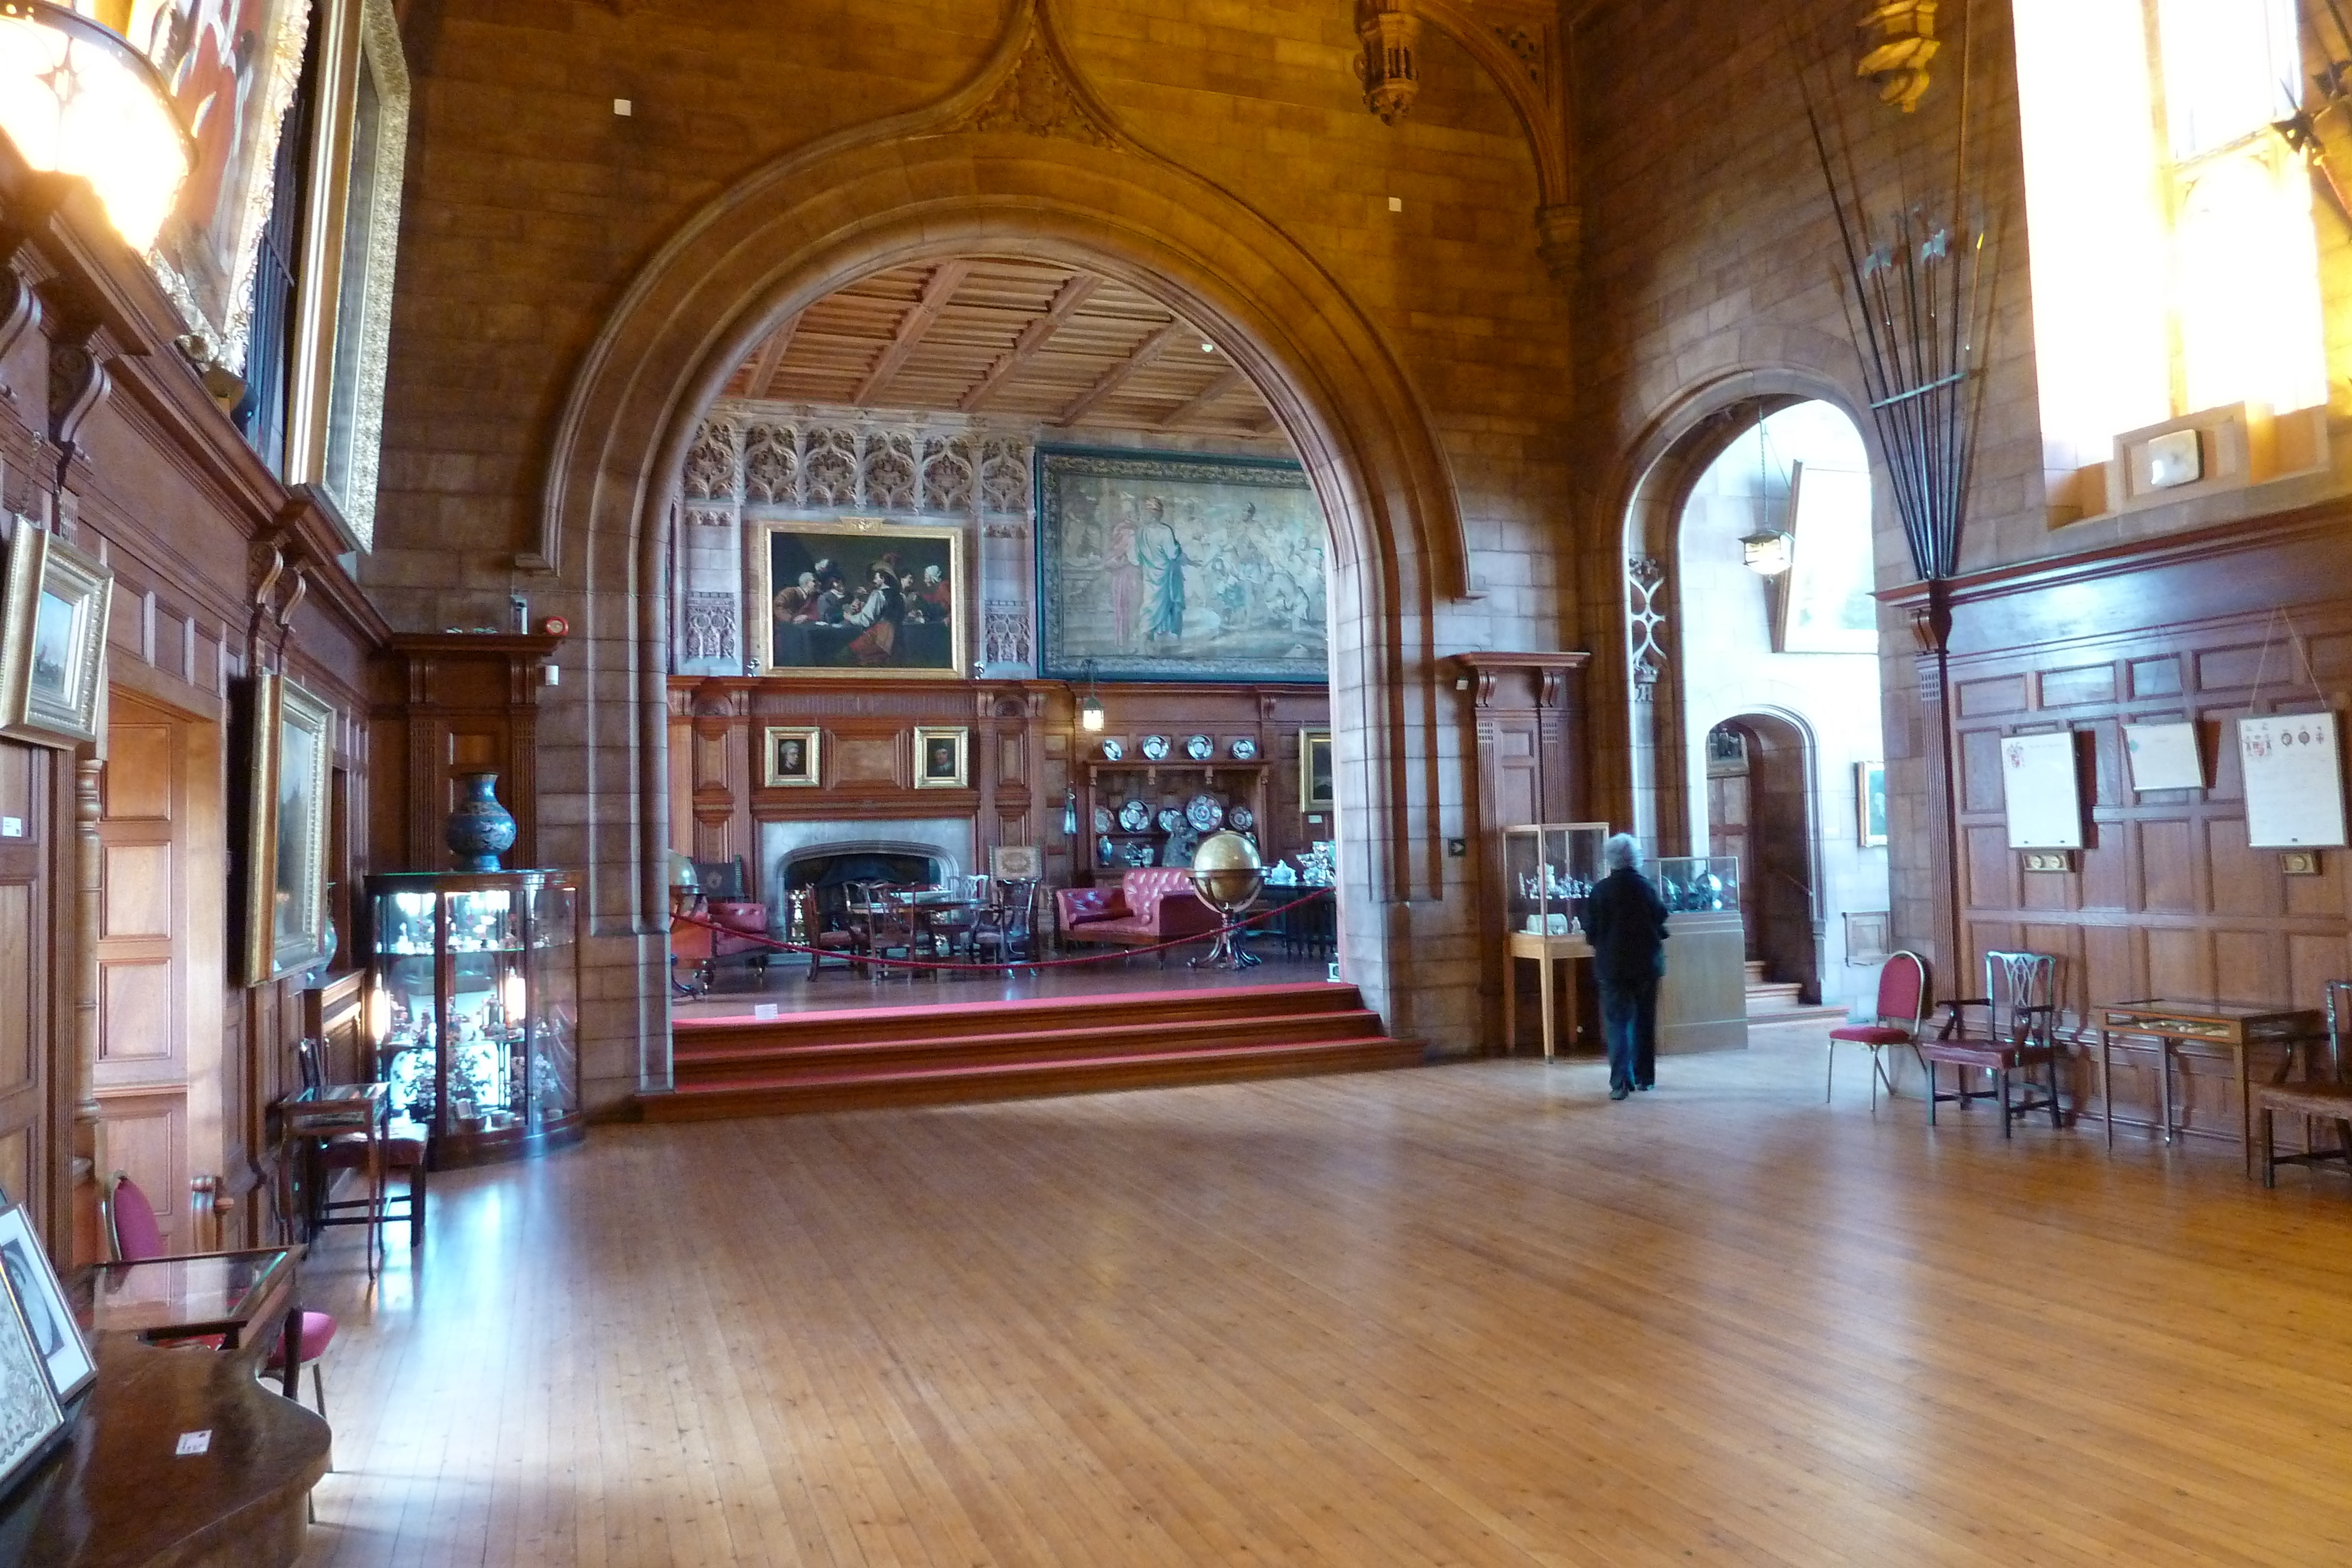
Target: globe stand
1228	878
1227	952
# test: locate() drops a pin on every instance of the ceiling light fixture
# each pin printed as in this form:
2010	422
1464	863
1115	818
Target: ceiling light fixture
77	99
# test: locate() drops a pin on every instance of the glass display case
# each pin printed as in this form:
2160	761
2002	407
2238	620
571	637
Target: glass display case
1549	870
473	1010
1692	884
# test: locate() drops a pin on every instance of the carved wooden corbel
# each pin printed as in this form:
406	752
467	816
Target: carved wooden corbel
78	385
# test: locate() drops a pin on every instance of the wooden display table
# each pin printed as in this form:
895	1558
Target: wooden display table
121	1495
1547	953
2233	1027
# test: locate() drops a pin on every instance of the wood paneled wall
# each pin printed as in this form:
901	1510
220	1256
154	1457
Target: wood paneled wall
447	705
1026	750
2168	899
107	438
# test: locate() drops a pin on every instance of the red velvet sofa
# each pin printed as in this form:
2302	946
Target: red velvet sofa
1150	904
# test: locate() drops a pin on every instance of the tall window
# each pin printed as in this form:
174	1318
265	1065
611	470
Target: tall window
2175	264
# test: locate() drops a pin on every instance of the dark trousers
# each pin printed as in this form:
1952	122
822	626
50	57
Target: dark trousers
1629	1021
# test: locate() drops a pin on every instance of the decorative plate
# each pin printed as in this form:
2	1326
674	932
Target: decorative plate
1102	819
1170	819
1200	747
1205	812
1241	818
1114	751
1155	747
1135	816
1244	750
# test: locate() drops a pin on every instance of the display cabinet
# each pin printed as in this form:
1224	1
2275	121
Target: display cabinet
1549	870
474	1008
1131	811
1702	1000
1692	884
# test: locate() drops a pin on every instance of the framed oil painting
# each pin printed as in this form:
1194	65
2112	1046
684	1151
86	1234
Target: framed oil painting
231	67
858	596
1317	791
1869	804
287	761
942	759
42	1300
1161	567
53	612
794	757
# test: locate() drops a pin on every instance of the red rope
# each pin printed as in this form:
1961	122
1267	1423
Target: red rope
781	947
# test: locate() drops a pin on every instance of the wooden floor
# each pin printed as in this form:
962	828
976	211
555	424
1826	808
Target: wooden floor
1470	1314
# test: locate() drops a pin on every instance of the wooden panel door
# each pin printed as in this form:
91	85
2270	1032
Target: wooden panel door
29	961
143	964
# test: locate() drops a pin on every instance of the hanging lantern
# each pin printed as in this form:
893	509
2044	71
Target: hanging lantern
1767	554
77	99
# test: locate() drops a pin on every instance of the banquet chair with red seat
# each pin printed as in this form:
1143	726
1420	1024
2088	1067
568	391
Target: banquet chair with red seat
1902	1008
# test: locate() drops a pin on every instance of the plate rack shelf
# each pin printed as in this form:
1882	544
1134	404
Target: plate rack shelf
1169	784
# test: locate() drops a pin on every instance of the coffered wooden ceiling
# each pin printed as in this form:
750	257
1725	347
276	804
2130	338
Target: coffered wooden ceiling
1014	340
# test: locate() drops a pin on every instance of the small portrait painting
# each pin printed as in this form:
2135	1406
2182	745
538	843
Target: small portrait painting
792	757
941	759
1315	790
52	616
1869	803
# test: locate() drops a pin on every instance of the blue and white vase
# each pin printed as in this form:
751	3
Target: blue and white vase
481	830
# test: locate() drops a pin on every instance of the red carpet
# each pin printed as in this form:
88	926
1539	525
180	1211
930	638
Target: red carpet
748	1066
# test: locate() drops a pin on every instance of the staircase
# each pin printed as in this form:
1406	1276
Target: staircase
1771	1001
1009	1051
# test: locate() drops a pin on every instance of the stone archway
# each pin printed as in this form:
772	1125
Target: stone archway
1023	163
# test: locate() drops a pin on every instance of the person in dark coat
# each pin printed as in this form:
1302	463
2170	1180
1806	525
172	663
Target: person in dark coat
1626	920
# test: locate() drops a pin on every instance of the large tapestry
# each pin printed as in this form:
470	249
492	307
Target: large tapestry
1155	566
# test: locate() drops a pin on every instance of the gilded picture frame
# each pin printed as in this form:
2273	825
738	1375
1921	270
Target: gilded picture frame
942	759
818	608
55	602
350	240
1317	790
289	760
1869	804
232	66
794	757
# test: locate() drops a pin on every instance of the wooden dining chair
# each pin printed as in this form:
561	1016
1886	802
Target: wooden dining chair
1901	1009
403	1153
2315	1099
134	1236
2021	1033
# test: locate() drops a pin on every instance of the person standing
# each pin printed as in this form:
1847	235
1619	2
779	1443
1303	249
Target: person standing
1626	920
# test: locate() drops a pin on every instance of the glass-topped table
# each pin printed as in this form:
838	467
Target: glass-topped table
2236	1028
243	1297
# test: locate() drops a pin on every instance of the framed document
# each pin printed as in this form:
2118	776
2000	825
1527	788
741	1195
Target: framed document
2164	756
2043	791
2294	781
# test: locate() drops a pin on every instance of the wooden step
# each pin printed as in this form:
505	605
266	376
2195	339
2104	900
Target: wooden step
1766	997
938	1052
1032	1080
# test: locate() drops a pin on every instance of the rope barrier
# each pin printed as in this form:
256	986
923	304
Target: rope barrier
777	944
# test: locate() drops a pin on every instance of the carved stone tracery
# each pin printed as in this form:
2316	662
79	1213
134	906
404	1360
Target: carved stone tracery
1645	578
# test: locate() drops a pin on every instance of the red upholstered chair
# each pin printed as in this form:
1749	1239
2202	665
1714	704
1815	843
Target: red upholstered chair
134	1237
1901	1009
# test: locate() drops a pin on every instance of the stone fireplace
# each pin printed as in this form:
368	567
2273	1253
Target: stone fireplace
804	854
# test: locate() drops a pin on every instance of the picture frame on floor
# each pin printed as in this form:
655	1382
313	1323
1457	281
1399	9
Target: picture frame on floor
48	1320
54	605
942	759
794	755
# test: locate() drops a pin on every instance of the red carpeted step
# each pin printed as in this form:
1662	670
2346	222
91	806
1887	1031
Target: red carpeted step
1023	1080
746	1066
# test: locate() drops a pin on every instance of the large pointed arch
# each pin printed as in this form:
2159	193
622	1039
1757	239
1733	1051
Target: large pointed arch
1024	162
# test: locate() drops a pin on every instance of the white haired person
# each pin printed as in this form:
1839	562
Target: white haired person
1625	920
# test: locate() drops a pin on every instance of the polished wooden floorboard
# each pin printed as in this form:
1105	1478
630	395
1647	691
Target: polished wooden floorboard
1466	1315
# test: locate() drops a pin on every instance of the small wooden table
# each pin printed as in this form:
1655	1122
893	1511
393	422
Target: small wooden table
1546	951
2234	1026
240	1296
332	1109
